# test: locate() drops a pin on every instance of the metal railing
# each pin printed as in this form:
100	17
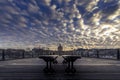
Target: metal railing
97	53
102	53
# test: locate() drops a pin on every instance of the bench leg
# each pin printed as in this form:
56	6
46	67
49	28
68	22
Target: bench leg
46	69
68	68
49	68
73	70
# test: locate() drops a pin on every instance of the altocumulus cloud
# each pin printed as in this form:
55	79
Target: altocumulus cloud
76	23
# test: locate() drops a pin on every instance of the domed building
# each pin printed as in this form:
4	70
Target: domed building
60	49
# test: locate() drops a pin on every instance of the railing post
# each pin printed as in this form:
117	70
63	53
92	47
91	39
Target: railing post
88	54
3	55
98	54
32	54
118	54
23	54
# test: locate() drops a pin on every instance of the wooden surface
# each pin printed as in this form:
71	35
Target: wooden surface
87	69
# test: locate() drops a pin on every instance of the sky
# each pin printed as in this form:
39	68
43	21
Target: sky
48	23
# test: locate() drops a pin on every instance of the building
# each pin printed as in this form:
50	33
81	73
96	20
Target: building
60	49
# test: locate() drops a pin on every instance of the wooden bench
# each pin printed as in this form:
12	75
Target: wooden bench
70	59
49	59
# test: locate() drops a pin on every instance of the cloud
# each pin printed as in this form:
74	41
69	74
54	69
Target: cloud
33	8
78	23
47	2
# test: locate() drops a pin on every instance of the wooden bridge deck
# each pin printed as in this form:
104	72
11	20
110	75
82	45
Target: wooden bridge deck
87	69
